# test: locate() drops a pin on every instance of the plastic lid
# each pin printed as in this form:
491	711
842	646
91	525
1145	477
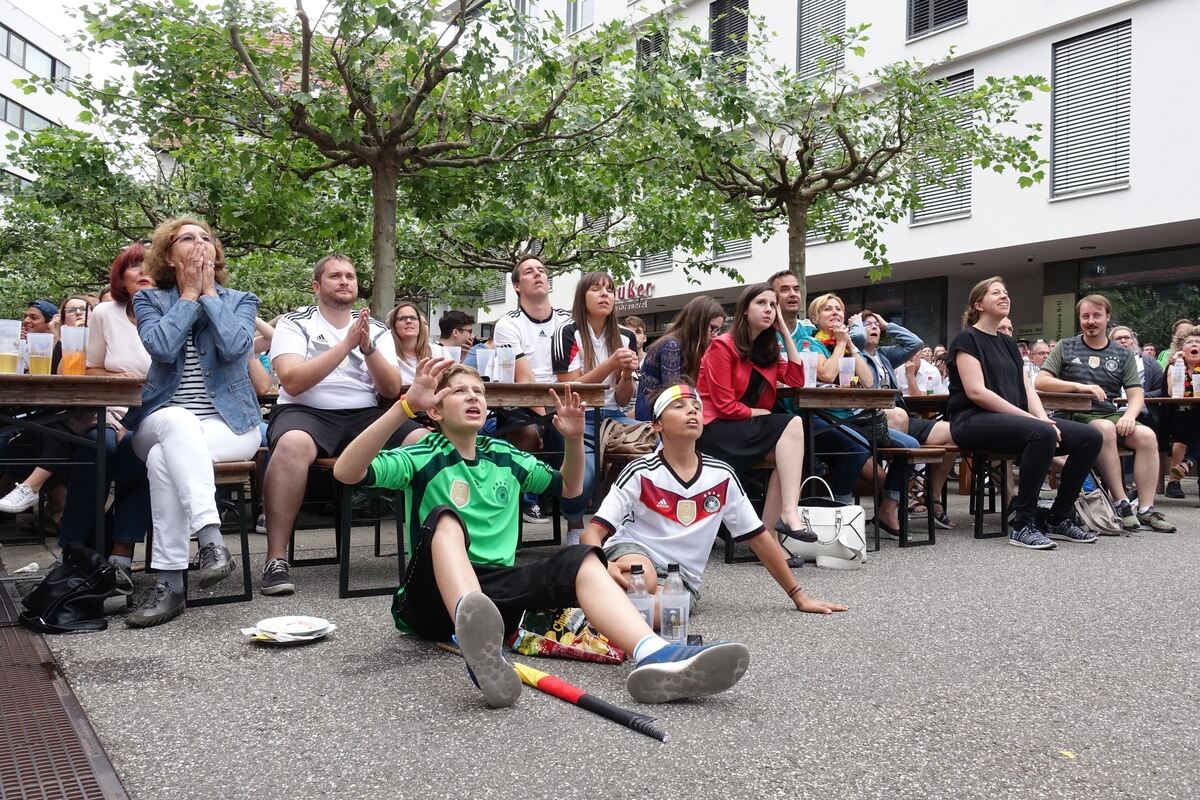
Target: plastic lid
672	568
636	569
807	345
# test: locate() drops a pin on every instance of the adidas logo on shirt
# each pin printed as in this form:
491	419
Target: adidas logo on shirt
1076	361
662	503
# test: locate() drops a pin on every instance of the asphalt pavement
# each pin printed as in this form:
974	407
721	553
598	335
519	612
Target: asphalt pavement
970	669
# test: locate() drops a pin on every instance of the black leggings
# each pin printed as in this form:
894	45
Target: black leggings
1034	441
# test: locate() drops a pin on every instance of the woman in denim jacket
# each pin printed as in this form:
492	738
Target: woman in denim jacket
198	406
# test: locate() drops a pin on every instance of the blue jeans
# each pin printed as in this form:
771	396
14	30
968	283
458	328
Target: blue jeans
850	451
131	508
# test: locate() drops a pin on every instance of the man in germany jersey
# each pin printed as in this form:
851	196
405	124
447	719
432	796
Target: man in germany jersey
1093	364
461	580
667	508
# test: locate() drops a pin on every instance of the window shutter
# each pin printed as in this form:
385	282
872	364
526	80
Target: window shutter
661	261
925	16
495	293
954	198
648	49
731	249
1090	109
818	17
595	225
728	25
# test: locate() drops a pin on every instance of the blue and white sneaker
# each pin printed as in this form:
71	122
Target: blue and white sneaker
680	671
1028	535
479	631
1068	531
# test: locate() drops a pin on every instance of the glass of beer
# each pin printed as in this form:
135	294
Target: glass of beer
73	349
10	336
41	348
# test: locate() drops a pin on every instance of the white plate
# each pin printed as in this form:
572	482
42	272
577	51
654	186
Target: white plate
294	626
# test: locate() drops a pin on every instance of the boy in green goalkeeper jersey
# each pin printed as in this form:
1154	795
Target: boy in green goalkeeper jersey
461	580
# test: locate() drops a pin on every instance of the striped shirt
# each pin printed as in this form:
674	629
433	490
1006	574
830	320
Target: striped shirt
191	392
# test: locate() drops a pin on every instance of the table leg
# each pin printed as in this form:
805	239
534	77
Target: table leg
100	539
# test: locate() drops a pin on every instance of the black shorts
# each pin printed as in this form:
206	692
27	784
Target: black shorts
919	428
549	583
331	430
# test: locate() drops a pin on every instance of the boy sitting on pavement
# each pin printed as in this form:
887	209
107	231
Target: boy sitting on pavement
461	580
667	507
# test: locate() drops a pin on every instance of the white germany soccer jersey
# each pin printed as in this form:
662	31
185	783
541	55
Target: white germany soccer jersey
677	522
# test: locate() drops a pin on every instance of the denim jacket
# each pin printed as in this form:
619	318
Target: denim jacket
224	328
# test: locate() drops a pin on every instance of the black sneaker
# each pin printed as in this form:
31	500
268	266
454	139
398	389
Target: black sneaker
213	564
276	580
1174	490
1128	515
532	513
479	632
1029	536
1068	531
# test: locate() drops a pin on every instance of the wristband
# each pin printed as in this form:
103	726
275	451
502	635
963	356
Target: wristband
792	593
406	408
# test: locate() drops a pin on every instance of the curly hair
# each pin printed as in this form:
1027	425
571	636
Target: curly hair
160	270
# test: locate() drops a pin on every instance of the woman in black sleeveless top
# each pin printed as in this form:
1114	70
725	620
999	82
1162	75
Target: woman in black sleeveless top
993	407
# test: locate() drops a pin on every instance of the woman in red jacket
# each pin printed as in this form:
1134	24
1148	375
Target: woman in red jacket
737	380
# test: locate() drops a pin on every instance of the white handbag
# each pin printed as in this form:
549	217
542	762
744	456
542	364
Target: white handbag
840	529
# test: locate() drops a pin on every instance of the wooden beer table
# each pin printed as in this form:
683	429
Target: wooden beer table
35	403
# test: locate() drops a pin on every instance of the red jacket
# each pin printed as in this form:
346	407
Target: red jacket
724	376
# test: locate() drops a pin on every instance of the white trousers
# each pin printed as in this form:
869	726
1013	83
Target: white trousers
179	449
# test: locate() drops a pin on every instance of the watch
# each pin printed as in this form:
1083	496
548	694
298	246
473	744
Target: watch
371	349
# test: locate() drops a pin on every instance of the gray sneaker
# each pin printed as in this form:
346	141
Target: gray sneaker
1068	531
1128	515
1155	521
276	579
1029	536
213	564
156	605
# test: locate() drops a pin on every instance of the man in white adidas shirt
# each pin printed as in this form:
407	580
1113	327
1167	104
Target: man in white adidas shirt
331	365
667	508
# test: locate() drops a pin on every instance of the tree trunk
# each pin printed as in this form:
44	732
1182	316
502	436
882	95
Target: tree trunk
797	214
384	177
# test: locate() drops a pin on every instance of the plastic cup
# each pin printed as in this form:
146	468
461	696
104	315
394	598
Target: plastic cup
809	359
41	349
506	365
483	360
435	350
73	349
845	370
453	352
10	335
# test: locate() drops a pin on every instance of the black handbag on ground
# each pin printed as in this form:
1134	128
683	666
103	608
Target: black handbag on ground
71	598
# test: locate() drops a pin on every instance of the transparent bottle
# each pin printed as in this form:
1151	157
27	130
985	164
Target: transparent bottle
930	385
674	606
640	594
1178	377
809	359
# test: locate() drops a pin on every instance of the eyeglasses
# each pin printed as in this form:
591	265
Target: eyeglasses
715	329
189	238
466	330
1124	337
406	318
75	310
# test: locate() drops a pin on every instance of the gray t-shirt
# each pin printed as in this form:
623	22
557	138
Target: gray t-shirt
1110	367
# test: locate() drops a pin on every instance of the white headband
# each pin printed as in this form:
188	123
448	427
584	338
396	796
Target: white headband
673	393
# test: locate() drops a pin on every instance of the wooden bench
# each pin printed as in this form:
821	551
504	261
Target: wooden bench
905	458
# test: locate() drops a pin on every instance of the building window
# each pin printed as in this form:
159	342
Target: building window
579	14
731	249
20	117
495	293
926	16
728	26
1089	111
595	225
653	263
32	58
11	182
649	48
816	20
953	199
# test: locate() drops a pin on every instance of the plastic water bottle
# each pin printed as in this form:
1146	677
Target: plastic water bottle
930	385
674	606
639	594
1178	372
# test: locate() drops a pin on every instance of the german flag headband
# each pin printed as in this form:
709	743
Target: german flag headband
673	393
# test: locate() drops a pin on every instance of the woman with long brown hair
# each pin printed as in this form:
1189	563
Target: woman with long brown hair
593	348
738	376
993	406
410	332
677	354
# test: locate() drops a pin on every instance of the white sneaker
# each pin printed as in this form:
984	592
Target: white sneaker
21	498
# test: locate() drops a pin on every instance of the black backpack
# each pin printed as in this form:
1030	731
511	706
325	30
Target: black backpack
71	598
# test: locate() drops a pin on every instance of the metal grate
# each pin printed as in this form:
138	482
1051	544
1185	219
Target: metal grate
951	197
819	18
47	746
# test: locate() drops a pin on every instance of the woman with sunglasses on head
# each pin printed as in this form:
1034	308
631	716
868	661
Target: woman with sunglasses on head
677	353
410	332
198	405
738	376
593	348
992	406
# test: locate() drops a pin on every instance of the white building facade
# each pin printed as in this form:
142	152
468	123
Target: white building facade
29	49
1120	203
